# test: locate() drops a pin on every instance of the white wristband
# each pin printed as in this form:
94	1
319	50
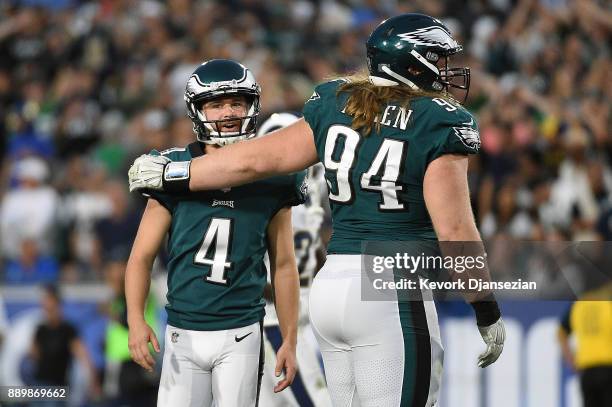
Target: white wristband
176	171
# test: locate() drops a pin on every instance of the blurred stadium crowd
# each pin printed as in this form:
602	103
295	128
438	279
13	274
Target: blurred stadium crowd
86	86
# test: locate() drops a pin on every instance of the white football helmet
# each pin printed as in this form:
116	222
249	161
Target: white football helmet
215	78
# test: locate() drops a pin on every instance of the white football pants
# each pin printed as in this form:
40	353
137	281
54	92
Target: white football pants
205	367
375	353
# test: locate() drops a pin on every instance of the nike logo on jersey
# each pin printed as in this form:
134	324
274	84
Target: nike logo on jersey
229	204
238	339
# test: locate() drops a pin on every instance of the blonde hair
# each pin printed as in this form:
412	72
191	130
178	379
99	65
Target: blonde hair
366	101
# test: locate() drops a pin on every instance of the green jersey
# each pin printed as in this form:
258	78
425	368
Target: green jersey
216	246
376	182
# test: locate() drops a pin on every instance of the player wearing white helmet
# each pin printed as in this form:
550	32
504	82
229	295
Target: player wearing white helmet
308	388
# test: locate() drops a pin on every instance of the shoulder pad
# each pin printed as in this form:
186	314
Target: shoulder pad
454	129
448	110
172	150
326	89
174	153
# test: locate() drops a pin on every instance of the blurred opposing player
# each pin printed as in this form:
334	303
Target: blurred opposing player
308	388
394	144
216	277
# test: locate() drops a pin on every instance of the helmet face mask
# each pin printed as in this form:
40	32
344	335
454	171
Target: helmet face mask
219	78
413	50
458	78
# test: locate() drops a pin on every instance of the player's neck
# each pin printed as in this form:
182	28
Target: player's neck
211	148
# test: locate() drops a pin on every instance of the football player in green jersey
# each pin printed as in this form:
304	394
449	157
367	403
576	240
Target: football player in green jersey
216	272
394	145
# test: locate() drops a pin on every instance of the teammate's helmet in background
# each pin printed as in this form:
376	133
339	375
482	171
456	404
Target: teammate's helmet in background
277	121
221	77
407	49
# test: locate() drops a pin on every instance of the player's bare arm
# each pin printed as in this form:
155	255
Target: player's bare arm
153	227
447	197
285	280
446	194
281	152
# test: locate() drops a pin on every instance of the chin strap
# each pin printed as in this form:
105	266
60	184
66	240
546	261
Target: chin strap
378	81
388	71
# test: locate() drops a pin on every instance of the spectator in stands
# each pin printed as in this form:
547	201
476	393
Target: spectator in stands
29	211
56	344
84	203
32	267
115	232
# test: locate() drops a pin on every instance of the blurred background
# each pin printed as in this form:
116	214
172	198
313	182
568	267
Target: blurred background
87	86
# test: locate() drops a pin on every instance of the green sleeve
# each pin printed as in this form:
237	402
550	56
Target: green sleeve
165	200
295	190
300	189
454	133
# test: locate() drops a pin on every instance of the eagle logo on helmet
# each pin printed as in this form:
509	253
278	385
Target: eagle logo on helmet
433	36
418	41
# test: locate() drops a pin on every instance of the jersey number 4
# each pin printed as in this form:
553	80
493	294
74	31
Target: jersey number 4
214	250
381	177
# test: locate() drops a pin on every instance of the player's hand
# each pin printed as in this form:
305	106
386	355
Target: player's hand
147	172
286	362
140	335
494	336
